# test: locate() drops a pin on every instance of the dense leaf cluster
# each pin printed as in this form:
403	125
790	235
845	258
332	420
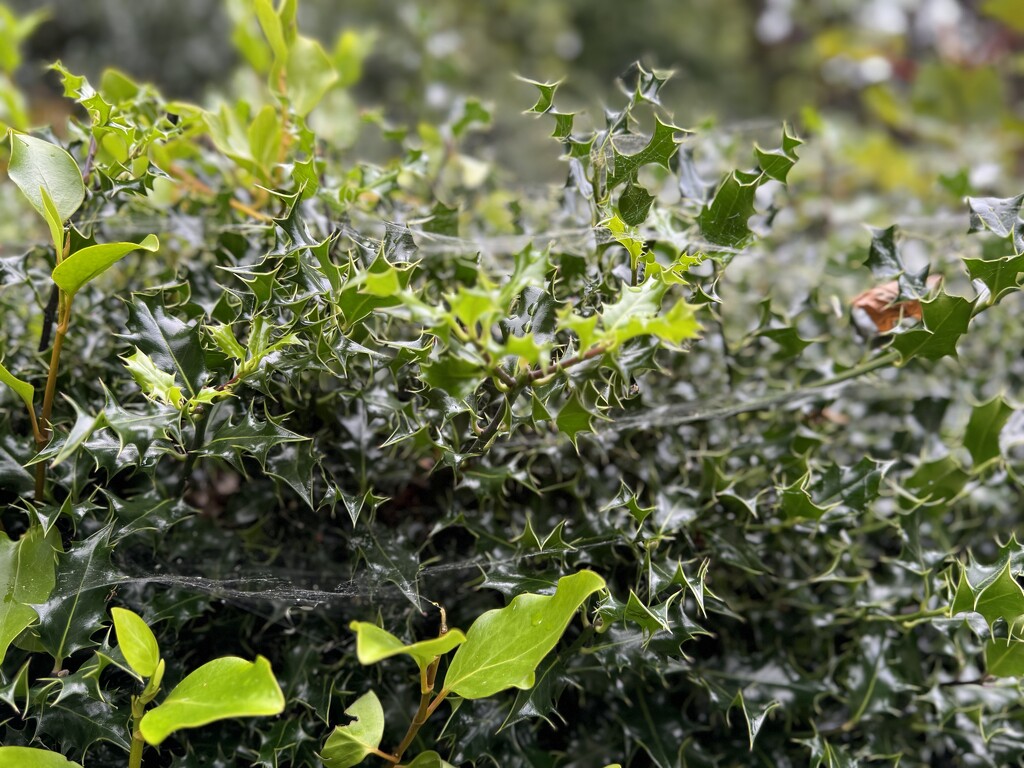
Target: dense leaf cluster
289	391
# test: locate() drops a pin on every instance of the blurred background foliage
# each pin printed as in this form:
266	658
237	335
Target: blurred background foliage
904	74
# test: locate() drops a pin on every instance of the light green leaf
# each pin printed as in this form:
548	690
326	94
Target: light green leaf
82	266
26	576
155	383
222	688
374	644
270	23
21	388
311	74
53	221
36	165
264	135
429	760
28	757
504	646
136	641
349	744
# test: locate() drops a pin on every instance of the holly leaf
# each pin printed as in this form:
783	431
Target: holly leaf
995	214
249	437
659	151
1004	657
26	577
76	607
1000	276
777	163
981	438
723	221
574	419
172	345
945	320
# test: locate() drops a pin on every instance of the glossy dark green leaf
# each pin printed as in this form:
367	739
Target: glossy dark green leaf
724	221
26	577
76	607
945	320
634	204
173	345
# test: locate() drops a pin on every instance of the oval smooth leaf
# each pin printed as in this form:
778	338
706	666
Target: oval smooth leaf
37	164
29	757
21	388
136	640
349	744
429	760
220	689
84	265
374	644
503	647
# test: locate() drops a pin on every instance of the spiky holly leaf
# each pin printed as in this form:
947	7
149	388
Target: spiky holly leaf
173	345
1000	276
723	221
777	163
995	214
659	151
574	419
76	607
26	577
945	320
250	436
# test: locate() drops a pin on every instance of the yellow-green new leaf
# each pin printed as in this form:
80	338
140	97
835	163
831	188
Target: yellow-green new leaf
53	221
29	757
429	760
21	388
349	745
39	165
84	265
136	641
374	644
220	689
504	646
